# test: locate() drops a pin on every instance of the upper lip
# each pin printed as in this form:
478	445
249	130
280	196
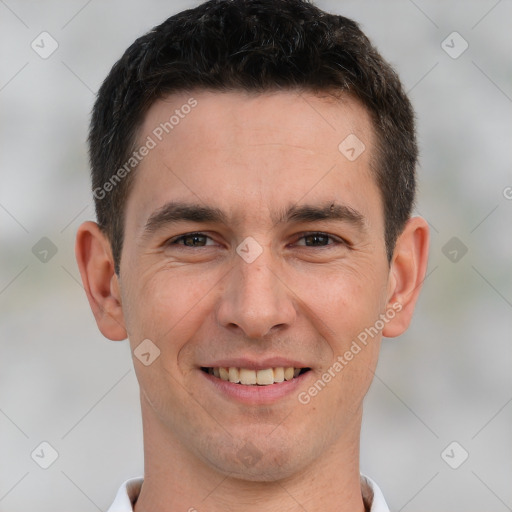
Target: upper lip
251	364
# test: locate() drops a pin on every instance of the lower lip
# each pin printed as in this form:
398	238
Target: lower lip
256	395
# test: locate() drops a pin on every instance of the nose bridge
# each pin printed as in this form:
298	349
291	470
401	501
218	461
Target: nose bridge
255	299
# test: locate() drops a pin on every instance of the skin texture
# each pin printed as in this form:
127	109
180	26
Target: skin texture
307	299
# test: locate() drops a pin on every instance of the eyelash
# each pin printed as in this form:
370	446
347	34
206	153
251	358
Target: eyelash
336	240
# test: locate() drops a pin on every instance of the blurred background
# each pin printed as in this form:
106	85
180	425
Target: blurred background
436	433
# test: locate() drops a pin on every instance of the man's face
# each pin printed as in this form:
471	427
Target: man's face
265	286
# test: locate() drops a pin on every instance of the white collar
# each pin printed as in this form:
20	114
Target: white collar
129	491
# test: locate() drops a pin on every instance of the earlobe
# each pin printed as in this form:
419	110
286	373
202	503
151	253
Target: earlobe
407	273
94	258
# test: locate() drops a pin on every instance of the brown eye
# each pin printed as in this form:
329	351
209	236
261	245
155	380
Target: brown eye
318	240
191	240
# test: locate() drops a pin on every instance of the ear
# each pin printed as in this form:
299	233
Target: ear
94	256
407	273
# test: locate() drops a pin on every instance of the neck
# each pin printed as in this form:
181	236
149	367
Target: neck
176	480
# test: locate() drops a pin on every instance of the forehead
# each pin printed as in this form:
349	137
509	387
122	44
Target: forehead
287	117
245	149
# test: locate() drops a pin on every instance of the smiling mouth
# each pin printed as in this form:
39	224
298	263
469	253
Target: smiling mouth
248	377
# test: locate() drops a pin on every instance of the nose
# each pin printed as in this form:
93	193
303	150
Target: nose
256	298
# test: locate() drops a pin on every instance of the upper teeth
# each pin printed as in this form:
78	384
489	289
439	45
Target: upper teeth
252	377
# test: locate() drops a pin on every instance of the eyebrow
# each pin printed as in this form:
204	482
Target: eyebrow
176	211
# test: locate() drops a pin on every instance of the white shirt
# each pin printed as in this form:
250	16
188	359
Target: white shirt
129	492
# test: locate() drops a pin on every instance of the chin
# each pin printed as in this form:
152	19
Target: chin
260	458
267	469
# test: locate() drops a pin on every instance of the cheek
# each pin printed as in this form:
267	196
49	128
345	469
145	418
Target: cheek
347	305
345	299
167	308
168	304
